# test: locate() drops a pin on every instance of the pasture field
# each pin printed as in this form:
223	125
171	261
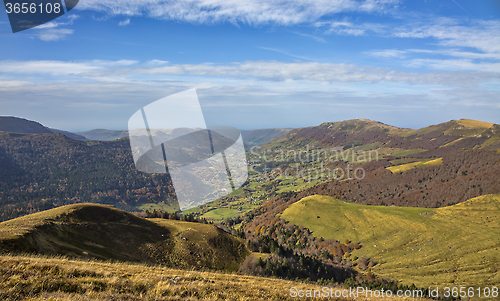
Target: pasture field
417	164
220	214
457	245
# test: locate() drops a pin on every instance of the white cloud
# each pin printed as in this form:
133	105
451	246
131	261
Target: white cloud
128	71
49	32
458	53
388	53
321	73
53	34
157	62
13	84
284	12
481	35
475	43
59	68
464	64
346	27
48	25
124	22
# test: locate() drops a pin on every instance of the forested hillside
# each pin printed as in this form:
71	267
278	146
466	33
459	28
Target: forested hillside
43	171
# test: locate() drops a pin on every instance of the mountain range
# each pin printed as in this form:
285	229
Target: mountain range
286	210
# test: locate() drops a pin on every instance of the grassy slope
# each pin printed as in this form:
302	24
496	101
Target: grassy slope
36	278
462	127
104	232
211	246
418	164
459	244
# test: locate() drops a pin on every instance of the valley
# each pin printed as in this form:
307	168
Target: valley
344	204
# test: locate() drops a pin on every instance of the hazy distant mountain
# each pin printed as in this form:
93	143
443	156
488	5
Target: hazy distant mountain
23	126
104	135
69	134
250	137
259	137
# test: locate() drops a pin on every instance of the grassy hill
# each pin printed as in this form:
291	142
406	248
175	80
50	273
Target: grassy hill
458	245
83	233
106	233
17	125
40	278
461	127
390	139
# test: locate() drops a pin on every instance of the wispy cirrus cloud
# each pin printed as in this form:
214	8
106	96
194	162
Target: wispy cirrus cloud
50	32
478	34
287	53
320	73
263	71
124	22
314	37
255	12
53	34
453	64
452	44
347	27
482	35
70	20
60	68
388	53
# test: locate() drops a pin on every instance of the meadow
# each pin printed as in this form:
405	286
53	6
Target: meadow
457	245
417	164
58	278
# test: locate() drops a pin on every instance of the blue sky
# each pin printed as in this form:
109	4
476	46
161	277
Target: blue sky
257	64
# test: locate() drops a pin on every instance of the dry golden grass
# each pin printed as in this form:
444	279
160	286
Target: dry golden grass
106	233
452	142
22	225
38	278
475	123
418	164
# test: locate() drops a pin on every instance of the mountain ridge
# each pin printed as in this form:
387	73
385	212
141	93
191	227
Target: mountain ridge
103	232
17	125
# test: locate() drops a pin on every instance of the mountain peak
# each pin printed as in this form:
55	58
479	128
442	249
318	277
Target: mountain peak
461	127
11	124
358	125
470	123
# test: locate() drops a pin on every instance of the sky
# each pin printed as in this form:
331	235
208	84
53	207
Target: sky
257	64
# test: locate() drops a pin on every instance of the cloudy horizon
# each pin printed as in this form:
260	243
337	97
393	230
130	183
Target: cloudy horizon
259	64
